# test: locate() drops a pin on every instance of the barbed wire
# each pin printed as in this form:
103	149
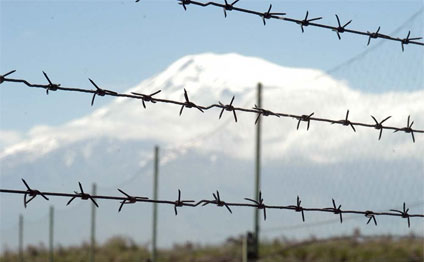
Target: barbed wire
306	21
146	98
217	201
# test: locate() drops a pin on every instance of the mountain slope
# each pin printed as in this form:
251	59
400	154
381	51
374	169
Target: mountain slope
209	78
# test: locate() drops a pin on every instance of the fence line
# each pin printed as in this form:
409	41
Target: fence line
146	98
217	201
306	21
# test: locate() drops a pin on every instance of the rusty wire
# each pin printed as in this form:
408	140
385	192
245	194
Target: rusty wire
339	29
145	98
217	201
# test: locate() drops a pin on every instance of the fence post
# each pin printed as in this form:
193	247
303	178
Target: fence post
51	248
155	208
93	228
257	172
21	238
249	248
244	249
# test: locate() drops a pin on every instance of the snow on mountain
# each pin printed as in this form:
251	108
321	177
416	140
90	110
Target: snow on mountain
200	153
210	78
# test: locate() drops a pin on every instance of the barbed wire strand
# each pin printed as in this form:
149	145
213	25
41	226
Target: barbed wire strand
217	201
327	222
145	98
306	21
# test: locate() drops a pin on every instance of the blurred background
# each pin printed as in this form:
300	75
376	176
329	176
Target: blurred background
56	141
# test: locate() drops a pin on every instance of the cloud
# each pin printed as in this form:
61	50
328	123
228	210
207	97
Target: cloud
8	137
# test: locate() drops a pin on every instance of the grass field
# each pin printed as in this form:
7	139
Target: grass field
346	248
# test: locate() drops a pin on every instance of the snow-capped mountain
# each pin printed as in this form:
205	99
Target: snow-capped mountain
200	153
210	78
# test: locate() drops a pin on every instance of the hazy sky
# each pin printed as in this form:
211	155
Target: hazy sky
120	43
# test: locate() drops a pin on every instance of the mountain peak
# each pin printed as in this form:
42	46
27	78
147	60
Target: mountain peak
212	60
227	73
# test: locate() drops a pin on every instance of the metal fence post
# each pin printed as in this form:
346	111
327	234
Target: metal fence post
51	224
93	228
21	238
155	208
257	171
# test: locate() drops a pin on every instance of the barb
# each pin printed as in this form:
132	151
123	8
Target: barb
189	104
305	118
373	35
299	208
2	77
306	22
259	204
408	40
146	98
408	129
180	203
32	193
404	213
269	15
379	125
83	196
346	122
263	112
223	107
228	107
229	7
339	29
370	215
100	92
336	210
218	202
51	87
129	200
